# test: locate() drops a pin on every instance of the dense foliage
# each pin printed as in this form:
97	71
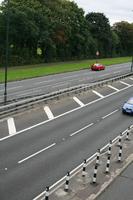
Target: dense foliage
60	29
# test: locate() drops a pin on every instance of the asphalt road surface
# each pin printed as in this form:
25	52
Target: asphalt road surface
47	84
39	155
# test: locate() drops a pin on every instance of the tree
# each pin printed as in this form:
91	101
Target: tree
125	32
101	31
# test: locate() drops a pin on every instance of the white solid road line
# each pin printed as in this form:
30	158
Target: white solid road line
78	101
104	74
131	78
12	88
97	93
59	84
11	126
110	114
38	83
116	72
48	112
124	83
114	88
63	114
31	156
81	129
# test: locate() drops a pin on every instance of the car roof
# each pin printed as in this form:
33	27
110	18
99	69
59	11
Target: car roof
130	100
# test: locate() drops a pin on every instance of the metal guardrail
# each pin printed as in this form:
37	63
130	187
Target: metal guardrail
22	105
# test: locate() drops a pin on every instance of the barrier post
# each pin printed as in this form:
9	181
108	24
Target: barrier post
47	193
67	182
95	174
120	139
120	154
98	157
128	133
110	147
108	164
84	168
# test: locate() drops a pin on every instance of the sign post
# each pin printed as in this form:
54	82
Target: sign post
132	64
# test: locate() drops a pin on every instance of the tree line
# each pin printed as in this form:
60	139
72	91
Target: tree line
58	30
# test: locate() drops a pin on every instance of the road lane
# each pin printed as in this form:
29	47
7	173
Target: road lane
46	84
31	176
104	92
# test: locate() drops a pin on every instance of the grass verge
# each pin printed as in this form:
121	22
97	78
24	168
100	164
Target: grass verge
30	71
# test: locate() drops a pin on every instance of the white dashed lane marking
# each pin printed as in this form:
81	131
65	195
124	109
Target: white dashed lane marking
98	94
27	158
78	101
81	129
109	114
48	112
114	88
11	126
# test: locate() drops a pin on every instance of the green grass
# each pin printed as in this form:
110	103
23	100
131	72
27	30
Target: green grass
30	71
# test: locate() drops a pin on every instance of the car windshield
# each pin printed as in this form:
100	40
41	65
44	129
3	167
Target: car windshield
97	64
130	101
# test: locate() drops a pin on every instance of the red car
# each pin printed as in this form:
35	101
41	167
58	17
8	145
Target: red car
97	67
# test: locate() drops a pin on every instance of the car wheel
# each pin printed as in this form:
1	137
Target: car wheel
123	112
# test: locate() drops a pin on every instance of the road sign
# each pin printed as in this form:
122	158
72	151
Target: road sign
97	53
39	51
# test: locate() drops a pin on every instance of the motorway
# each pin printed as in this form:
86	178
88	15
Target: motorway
47	84
41	152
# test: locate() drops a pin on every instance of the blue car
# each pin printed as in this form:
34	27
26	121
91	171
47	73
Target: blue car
128	106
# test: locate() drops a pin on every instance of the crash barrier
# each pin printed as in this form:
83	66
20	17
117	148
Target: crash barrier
22	105
94	161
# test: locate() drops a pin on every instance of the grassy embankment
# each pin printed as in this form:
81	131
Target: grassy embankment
29	71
